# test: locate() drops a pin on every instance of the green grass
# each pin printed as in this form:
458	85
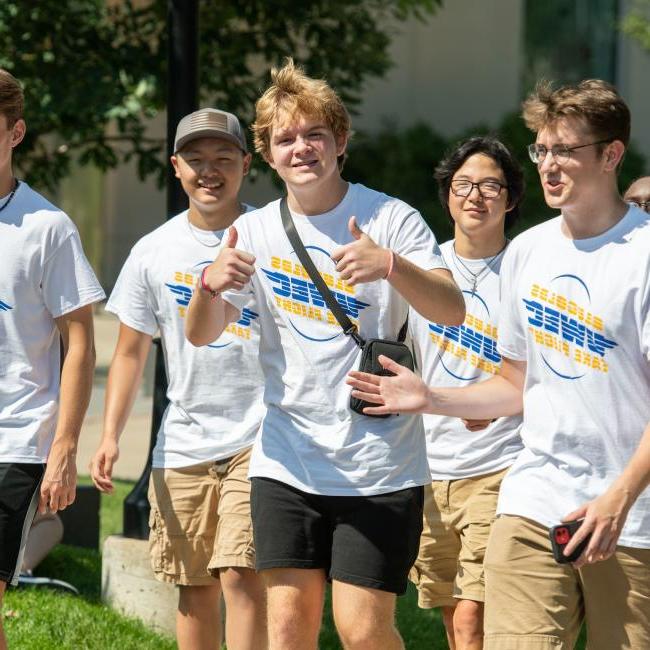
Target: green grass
40	619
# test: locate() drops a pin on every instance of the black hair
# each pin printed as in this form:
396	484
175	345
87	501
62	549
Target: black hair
502	156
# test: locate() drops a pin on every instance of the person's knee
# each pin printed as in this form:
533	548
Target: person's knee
293	622
287	608
294	605
364	618
367	632
242	586
468	621
239	578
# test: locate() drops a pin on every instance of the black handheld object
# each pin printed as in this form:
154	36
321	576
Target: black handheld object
561	535
394	350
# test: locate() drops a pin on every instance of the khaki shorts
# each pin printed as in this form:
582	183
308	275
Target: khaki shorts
457	519
201	520
534	603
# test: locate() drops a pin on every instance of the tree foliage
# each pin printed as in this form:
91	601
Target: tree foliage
637	23
94	72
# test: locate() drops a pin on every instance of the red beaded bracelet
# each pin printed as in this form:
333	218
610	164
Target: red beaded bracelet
205	287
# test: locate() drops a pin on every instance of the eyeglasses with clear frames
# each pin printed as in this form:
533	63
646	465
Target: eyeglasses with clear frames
560	152
487	189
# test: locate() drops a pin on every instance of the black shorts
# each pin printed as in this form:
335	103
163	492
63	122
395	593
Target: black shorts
370	541
19	492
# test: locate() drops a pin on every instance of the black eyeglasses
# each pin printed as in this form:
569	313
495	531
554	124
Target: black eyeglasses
560	152
487	189
644	205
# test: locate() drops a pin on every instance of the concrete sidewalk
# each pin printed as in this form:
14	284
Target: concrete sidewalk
134	443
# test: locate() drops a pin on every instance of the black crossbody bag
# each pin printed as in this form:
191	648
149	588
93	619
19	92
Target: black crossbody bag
372	348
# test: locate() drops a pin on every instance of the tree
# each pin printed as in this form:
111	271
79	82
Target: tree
94	72
637	23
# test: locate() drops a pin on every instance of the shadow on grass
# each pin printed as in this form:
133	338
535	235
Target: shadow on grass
81	567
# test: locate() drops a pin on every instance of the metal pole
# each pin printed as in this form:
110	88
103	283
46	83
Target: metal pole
182	98
182	83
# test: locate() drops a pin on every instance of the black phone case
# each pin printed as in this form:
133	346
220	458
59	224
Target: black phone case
369	363
560	536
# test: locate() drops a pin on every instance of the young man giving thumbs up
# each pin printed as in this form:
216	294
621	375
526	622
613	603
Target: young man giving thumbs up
335	495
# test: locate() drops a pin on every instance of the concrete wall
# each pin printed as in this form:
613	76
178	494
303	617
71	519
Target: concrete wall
460	68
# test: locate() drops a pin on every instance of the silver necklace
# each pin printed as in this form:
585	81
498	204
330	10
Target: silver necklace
11	195
194	236
467	273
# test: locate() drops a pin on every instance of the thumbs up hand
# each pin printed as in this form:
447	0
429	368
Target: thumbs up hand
232	269
231	242
354	229
361	260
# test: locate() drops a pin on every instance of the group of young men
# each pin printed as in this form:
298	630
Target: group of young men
533	361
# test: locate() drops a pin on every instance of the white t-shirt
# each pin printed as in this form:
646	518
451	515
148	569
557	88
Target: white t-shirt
459	356
45	275
215	391
578	312
309	437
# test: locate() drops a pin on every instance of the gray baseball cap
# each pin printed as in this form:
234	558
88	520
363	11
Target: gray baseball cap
209	123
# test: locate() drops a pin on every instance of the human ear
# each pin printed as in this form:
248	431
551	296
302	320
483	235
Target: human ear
341	143
247	163
18	132
613	155
174	161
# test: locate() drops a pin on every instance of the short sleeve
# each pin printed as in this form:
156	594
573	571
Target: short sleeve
68	281
130	299
414	240
512	338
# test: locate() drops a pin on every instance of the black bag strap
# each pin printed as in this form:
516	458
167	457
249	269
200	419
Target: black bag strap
349	328
402	333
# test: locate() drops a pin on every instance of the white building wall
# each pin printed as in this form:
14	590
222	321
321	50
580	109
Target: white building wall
460	68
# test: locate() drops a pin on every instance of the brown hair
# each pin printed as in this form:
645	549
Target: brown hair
11	98
593	101
292	91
